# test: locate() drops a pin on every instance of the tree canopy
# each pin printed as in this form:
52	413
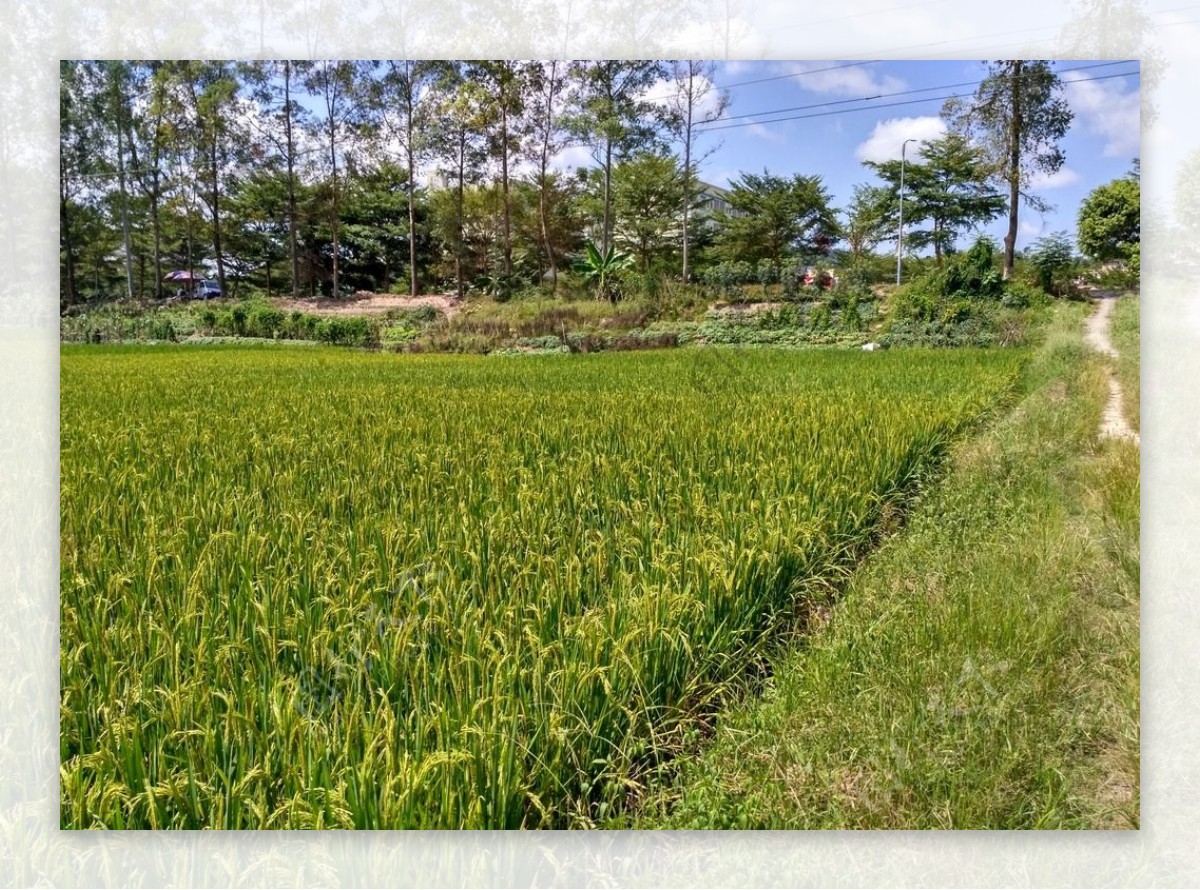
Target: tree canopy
1018	116
1110	220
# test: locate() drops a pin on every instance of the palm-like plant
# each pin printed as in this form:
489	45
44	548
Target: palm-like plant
601	267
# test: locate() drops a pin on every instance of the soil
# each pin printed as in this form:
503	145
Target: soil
367	303
1113	424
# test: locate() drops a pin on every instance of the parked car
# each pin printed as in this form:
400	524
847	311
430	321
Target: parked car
208	290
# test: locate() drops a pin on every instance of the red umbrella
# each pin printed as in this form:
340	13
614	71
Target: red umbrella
180	275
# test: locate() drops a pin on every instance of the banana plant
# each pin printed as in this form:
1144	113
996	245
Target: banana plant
601	267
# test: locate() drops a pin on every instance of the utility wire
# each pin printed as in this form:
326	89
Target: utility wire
944	86
890	105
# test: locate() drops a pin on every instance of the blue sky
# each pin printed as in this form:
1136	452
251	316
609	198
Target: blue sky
1103	139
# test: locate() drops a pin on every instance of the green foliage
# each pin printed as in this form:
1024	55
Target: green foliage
1018	116
1110	220
647	202
348	331
964	303
1053	261
947	188
601	268
775	217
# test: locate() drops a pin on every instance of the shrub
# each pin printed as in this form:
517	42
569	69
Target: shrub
237	320
264	320
1053	264
348	331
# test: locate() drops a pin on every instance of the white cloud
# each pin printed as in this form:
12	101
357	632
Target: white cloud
1063	177
764	133
888	136
664	93
1109	110
1031	230
571	157
857	80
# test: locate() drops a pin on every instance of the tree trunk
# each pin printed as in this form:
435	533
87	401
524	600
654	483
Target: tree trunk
687	175
607	235
504	186
458	222
1014	170
125	238
70	295
545	163
291	173
412	212
333	221
216	216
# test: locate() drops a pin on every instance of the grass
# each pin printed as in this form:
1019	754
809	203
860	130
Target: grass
1126	340
981	669
324	588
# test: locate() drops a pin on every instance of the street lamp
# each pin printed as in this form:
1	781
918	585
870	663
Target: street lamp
900	234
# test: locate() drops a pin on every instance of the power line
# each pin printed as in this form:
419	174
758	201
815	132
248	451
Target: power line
743	83
891	105
944	86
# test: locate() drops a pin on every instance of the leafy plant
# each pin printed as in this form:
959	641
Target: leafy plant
600	268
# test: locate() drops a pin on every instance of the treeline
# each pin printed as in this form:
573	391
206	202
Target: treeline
323	177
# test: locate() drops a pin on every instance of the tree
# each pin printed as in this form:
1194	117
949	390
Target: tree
80	102
1110	220
1018	116
867	220
611	114
696	102
380	224
948	188
274	86
776	216
459	148
403	100
202	98
338	85
648	195
1053	260
548	138
503	87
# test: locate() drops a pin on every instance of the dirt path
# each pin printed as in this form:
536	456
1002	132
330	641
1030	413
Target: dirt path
365	303
1113	424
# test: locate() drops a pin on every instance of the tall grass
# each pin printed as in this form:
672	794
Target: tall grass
1126	339
322	589
981	668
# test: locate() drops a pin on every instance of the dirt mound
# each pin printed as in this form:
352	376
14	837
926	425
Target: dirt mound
367	303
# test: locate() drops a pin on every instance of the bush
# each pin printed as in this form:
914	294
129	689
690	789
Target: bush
791	276
264	320
207	319
160	328
348	331
237	320
1053	264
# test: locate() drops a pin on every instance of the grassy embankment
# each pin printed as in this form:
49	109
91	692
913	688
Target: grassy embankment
1126	340
981	670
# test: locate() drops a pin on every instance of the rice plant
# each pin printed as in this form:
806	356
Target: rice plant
317	589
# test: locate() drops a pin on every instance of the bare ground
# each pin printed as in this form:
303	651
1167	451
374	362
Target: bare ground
367	303
1113	424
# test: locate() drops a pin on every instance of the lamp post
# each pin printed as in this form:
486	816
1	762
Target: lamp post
900	233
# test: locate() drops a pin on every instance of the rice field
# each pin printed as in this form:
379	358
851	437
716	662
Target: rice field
317	588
